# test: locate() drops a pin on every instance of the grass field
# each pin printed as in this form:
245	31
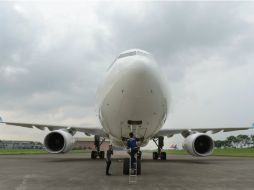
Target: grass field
34	151
222	152
217	152
234	152
22	151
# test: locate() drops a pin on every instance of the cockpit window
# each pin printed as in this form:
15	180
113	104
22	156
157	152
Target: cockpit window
142	53
127	54
130	53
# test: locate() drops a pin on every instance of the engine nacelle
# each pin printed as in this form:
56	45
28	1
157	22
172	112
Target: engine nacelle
59	141
199	144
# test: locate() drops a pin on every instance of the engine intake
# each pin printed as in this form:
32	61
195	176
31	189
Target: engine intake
199	144
59	141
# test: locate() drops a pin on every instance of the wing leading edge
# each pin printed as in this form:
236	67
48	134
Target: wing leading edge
171	132
87	130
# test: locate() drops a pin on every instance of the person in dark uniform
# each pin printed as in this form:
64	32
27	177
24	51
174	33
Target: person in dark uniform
108	159
132	146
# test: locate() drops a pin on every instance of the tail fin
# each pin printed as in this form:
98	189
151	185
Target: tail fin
1	120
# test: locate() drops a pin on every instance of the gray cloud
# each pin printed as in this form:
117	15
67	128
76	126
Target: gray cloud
167	28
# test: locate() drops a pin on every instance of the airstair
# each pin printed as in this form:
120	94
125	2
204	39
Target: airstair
133	171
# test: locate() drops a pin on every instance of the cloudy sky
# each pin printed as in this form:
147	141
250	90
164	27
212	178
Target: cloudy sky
53	56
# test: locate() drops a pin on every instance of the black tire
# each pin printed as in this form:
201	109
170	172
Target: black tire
102	155
163	156
93	154
126	165
139	167
155	155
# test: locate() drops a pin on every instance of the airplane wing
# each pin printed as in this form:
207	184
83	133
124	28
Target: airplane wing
87	130
183	131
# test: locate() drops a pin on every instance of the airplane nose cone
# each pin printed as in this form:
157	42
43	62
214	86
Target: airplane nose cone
137	69
139	79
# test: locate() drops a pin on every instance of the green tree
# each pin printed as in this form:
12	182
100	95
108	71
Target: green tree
227	143
243	140
232	140
252	140
218	143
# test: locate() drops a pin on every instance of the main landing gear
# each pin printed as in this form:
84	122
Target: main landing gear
97	143
159	141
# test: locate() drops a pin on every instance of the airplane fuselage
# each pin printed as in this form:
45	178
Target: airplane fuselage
132	98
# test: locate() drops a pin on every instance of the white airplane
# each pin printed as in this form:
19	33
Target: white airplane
132	98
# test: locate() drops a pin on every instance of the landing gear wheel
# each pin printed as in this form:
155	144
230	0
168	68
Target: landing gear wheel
163	156
159	141
126	166
155	156
93	154
102	154
97	143
139	167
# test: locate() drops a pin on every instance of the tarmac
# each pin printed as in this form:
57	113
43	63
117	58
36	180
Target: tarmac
78	172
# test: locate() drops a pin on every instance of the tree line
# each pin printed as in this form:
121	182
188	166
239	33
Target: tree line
240	141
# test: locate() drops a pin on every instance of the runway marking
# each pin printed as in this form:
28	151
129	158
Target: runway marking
23	185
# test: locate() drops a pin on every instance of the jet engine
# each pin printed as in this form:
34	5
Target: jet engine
59	141
199	144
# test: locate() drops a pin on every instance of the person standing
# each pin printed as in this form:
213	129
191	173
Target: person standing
108	159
